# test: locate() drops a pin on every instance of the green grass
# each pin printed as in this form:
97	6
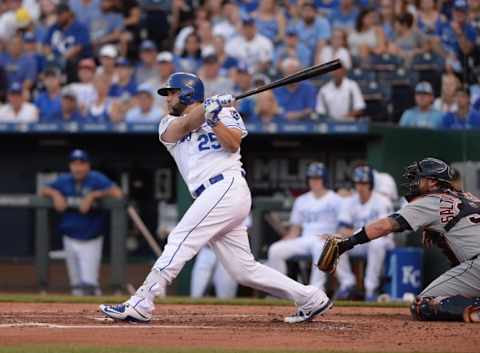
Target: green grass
91	349
55	298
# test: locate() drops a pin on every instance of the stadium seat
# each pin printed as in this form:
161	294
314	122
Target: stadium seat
361	75
402	84
375	99
427	66
385	65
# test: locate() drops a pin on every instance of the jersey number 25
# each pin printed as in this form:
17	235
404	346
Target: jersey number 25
208	141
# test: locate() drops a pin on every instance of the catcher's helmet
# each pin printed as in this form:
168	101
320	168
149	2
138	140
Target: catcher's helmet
317	170
190	87
430	168
363	174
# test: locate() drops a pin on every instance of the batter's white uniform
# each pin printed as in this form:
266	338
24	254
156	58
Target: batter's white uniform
316	216
216	217
355	215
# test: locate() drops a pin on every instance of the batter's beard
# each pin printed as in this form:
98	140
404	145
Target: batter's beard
177	109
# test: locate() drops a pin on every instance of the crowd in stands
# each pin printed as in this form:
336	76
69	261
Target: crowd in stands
412	62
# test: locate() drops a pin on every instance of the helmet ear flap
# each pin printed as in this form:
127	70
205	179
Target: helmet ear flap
186	96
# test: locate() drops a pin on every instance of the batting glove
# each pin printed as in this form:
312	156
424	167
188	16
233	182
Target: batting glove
225	100
212	108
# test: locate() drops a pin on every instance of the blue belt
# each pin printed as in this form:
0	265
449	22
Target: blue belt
213	180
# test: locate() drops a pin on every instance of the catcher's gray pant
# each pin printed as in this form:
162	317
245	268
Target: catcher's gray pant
463	279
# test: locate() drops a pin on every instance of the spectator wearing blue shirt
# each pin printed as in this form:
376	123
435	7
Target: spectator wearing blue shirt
270	20
345	16
67	39
191	58
126	86
297	100
19	66
146	69
464	117
458	36
242	83
267	111
32	50
423	115
145	111
292	47
49	102
313	29
70	112
107	26
82	229
85	10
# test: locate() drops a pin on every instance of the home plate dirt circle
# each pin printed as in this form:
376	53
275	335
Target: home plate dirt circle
229	326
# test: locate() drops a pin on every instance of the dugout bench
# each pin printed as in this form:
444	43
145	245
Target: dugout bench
42	232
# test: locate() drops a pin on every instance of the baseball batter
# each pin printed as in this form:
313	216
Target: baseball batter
365	206
451	219
204	140
314	213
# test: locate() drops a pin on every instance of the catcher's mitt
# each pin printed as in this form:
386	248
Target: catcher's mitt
330	253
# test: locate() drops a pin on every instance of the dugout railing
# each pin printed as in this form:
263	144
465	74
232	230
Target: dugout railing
42	233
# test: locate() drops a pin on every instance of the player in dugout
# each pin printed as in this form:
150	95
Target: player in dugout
83	228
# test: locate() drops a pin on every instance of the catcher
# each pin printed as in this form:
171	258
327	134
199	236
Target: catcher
450	219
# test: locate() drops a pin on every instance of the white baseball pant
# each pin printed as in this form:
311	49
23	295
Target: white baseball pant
83	259
375	252
216	217
280	251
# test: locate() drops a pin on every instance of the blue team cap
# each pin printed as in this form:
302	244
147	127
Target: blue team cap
29	37
148	45
424	87
15	87
460	5
243	67
123	62
291	32
145	88
79	155
248	19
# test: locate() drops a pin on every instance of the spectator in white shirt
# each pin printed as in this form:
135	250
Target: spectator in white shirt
108	57
336	48
251	47
84	90
340	98
17	110
145	111
165	67
228	27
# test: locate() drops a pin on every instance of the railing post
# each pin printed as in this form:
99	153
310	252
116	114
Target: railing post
118	238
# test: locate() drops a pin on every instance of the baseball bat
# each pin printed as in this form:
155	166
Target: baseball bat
144	230
304	74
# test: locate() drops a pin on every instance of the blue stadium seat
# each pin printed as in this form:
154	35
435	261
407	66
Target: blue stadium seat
375	96
361	75
427	66
402	83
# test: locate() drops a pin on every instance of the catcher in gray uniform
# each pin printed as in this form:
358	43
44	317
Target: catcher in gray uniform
450	219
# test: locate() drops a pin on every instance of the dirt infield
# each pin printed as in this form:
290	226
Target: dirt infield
228	326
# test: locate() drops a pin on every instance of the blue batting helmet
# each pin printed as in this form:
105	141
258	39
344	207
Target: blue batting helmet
363	174
317	170
190	87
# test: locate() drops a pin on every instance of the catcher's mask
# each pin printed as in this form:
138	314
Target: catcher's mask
430	168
